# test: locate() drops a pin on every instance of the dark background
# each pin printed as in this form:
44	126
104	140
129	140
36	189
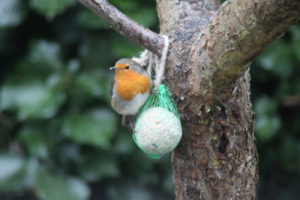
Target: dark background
59	138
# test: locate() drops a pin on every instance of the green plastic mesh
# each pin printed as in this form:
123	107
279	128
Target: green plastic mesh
159	100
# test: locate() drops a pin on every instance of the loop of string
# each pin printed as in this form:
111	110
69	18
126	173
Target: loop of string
160	67
153	60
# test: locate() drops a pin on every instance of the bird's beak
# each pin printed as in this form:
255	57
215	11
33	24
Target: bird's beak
112	68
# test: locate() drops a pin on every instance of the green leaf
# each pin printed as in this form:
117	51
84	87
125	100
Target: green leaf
42	60
278	58
125	48
67	153
31	99
265	106
146	16
267	121
30	86
45	54
88	19
90	85
52	8
58	187
12	12
129	191
124	143
126	5
3	41
10	166
105	166
295	30
267	127
96	51
288	87
36	142
95	83
289	154
13	173
41	63
95	127
73	65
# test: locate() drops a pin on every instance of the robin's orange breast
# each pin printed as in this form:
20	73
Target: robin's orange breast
130	83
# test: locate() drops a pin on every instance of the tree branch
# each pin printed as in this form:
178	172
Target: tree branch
125	26
239	32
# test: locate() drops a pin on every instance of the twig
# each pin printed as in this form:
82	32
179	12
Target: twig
125	26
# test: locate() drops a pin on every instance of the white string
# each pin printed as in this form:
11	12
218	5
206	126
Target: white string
142	59
160	67
150	64
154	61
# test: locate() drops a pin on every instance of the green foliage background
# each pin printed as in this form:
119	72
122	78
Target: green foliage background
59	138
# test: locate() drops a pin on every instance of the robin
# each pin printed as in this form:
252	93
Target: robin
130	87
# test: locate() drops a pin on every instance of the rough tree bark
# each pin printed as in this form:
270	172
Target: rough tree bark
211	48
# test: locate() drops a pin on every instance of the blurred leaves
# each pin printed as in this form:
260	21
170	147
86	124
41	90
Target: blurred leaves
265	106
266	127
42	63
12	13
129	192
124	143
45	54
102	167
275	80
10	167
126	5
36	141
289	154
52	186
295	30
95	127
90	20
147	17
32	100
278	59
124	48
27	90
15	173
92	47
267	122
95	83
51	8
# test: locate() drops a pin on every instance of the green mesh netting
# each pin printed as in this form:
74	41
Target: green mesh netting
160	98
158	128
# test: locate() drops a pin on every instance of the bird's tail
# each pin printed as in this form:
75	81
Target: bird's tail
129	121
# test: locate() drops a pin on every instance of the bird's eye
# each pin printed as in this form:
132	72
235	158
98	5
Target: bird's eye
127	67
